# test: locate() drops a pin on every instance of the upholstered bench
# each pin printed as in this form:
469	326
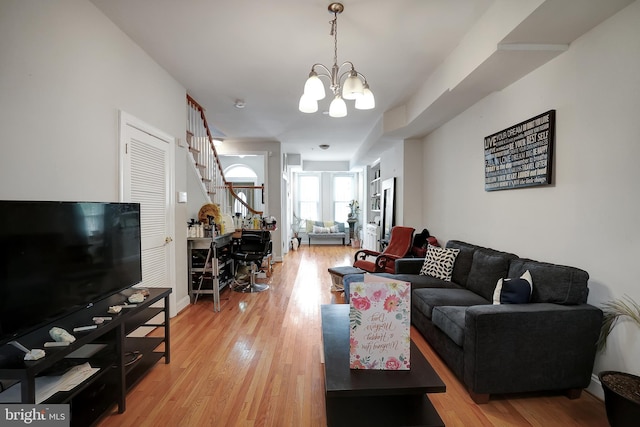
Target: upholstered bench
326	236
326	230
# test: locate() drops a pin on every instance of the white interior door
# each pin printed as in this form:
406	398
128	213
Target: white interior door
147	178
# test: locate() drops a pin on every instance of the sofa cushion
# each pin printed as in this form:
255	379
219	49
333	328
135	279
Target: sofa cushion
488	266
418	281
321	230
450	320
554	283
514	291
426	299
439	262
463	260
310	225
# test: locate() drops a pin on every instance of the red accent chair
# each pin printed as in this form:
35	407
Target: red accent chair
385	261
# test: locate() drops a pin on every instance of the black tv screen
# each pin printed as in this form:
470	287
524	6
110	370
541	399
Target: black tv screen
58	257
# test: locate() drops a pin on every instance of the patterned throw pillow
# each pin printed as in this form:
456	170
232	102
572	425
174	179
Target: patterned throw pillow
439	262
321	230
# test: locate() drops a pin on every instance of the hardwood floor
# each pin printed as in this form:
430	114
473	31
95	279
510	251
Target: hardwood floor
259	363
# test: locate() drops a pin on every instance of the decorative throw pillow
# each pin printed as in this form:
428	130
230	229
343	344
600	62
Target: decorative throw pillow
320	230
333	229
438	262
514	291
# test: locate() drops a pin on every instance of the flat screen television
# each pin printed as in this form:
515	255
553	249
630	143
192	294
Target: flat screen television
59	257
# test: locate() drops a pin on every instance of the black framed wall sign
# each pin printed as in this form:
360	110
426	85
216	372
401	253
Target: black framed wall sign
521	155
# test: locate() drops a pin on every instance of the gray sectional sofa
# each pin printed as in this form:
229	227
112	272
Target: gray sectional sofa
546	344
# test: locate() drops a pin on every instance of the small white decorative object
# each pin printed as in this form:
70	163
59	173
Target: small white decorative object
115	309
34	354
60	335
136	298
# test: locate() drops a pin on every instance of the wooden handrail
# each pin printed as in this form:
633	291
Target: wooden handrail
209	136
227	185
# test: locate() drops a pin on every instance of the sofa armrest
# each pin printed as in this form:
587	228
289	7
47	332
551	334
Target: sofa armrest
515	347
409	265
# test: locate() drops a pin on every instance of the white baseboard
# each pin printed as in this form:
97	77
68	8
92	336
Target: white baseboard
595	387
181	305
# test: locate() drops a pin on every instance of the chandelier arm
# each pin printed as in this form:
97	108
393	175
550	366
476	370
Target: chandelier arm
356	71
324	68
349	63
361	75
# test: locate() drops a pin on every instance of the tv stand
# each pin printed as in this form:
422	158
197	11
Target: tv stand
122	360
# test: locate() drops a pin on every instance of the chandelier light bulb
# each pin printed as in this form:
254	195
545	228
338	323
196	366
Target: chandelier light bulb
338	108
307	104
366	101
353	87
313	88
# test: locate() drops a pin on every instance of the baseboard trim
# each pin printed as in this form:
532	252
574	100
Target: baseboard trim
182	304
595	387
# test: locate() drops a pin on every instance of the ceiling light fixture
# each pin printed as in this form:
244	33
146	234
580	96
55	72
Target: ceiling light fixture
324	146
355	85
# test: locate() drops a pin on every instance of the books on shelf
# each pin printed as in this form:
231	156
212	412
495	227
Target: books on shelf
47	386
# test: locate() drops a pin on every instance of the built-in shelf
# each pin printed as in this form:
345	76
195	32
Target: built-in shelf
374	190
122	361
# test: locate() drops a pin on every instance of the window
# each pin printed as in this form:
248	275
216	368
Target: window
239	207
343	194
324	196
242	176
309	197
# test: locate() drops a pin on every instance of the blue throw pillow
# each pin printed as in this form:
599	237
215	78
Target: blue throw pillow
514	291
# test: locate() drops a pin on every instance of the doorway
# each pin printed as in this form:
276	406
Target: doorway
147	177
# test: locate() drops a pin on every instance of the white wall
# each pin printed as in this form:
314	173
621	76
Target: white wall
403	160
65	72
589	217
392	166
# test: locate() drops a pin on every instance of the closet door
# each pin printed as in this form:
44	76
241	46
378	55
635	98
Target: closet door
147	178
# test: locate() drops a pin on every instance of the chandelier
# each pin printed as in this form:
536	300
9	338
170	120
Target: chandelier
355	85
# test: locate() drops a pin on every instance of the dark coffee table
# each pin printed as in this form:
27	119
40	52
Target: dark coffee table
362	397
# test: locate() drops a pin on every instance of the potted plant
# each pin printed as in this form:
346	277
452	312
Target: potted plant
295	228
352	220
621	389
354	206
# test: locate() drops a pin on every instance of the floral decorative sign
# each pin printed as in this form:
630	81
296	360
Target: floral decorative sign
379	319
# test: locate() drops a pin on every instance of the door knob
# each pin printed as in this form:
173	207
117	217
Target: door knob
168	240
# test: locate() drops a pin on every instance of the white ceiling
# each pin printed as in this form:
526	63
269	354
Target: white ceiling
261	52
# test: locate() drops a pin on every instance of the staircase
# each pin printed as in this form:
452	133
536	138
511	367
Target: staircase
202	148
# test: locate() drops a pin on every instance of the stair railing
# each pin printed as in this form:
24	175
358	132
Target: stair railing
205	156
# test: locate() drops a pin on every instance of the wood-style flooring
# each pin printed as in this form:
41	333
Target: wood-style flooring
259	363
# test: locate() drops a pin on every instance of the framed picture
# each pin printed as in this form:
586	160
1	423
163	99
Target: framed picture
520	155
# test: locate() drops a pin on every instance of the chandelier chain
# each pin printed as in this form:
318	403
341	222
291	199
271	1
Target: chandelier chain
334	33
